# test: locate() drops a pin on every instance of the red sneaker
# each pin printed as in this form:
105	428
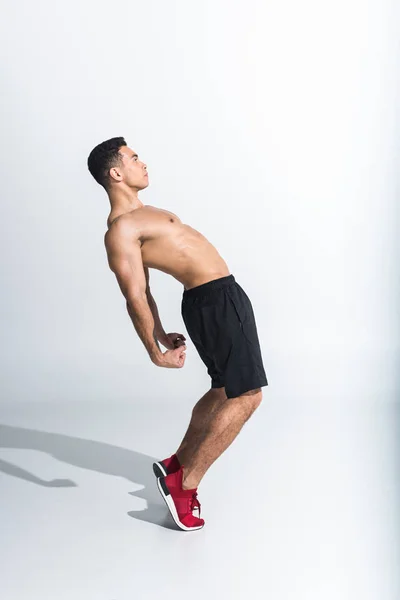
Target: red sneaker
166	466
183	504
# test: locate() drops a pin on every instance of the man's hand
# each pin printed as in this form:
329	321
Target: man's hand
172	340
172	359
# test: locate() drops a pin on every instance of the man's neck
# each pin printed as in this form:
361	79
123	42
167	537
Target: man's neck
123	201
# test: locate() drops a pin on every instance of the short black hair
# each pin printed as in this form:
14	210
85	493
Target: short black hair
103	157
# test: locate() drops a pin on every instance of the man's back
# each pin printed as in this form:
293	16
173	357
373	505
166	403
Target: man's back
167	244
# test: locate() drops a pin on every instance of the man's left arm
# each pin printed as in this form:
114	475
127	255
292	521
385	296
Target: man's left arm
159	333
168	340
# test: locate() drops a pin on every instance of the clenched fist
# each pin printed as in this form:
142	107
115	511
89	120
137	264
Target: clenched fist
172	359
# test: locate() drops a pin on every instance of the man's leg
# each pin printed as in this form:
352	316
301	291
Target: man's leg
220	431
201	414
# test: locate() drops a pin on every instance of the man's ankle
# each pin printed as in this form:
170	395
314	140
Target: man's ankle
189	482
180	455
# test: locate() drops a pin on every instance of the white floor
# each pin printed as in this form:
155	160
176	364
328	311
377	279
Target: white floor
303	505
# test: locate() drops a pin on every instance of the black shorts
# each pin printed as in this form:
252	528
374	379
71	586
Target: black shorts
220	322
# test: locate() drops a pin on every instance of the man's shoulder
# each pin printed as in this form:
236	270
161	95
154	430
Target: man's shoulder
125	225
124	218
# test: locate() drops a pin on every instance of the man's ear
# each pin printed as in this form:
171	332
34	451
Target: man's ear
115	174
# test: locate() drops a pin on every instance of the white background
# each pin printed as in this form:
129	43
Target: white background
272	128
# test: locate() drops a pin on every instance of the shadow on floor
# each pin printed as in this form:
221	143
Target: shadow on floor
96	456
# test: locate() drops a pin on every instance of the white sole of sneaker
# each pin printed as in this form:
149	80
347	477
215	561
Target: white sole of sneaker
171	506
159	470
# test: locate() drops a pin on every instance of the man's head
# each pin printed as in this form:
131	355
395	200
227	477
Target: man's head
113	164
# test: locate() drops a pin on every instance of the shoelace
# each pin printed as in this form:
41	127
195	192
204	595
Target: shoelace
195	504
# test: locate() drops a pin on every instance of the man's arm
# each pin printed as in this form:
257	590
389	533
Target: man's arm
158	328
125	260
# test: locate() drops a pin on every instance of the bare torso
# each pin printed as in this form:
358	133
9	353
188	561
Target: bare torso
170	246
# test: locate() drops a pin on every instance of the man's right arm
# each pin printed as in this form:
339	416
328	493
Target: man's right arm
125	260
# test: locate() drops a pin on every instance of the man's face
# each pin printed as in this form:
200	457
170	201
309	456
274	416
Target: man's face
133	171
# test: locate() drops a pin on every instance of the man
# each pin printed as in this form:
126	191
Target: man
216	311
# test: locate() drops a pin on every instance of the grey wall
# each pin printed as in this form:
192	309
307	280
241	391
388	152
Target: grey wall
271	128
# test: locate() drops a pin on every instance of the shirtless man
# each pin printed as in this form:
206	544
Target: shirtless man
217	313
